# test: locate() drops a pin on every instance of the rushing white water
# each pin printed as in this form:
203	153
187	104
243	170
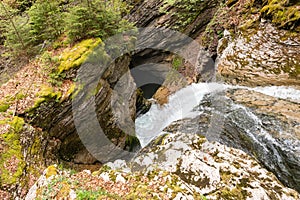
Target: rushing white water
282	92
181	104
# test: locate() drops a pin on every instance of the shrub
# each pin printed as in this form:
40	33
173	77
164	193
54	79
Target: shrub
94	20
46	21
25	32
17	36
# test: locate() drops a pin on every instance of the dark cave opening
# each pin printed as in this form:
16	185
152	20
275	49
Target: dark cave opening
149	89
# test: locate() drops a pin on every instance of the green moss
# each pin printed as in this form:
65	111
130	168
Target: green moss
197	144
214	29
10	100
160	140
131	142
13	150
75	56
186	11
281	14
20	96
293	70
251	23
46	93
4	106
226	176
103	169
17	124
231	2
71	90
91	92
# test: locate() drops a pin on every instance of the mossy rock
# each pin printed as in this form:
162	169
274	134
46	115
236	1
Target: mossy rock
10	100
46	93
74	57
12	153
282	15
185	12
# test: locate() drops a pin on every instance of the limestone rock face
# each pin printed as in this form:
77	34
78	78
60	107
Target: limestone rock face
212	169
266	56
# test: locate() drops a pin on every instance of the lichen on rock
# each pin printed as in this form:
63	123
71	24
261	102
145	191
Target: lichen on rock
212	169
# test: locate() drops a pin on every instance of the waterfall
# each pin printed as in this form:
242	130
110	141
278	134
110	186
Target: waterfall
182	103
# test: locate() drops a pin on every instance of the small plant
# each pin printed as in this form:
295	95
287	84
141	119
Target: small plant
177	62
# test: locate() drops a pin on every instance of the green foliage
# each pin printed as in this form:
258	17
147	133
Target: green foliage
46	21
34	29
26	31
93	20
23	5
12	40
17	36
177	62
